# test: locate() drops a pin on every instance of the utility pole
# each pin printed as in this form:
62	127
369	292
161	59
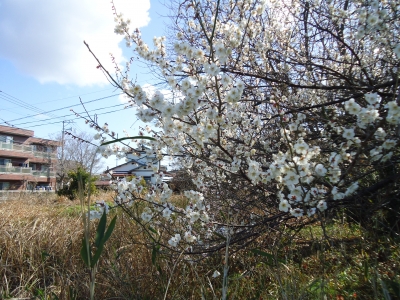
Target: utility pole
62	150
62	156
116	157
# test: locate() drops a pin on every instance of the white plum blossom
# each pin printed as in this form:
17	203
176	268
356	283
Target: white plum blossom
351	189
393	116
389	144
296	212
348	133
284	206
301	147
380	134
352	107
101	207
216	274
212	69
320	170
322	205
189	237
174	241
258	118
311	211
372	98
396	50
146	215
193	216
336	194
166	213
291	178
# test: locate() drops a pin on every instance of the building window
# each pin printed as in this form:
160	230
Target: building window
5	162
4	186
6	139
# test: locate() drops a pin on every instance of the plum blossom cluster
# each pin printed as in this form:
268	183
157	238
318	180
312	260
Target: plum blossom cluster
268	111
100	208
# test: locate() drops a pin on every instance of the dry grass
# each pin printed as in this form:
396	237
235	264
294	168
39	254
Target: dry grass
38	248
40	241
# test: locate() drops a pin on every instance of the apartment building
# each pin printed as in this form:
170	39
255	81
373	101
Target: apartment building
26	162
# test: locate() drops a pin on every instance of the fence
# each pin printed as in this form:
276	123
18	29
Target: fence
28	171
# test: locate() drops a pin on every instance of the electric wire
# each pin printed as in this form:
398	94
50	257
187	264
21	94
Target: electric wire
71	114
70	106
7	97
105	113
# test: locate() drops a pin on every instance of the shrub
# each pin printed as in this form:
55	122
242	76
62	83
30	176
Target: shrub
79	180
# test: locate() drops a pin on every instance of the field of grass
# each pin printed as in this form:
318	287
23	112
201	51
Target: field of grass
40	242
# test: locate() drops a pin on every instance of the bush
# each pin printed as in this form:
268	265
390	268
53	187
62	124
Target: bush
79	180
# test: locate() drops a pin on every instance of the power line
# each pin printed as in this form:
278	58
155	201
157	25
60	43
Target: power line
76	96
6	109
94	100
21	104
14	100
69	114
105	113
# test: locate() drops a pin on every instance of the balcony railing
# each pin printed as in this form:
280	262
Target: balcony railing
28	171
27	149
44	173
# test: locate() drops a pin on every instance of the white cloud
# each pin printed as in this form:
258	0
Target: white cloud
44	39
169	95
151	89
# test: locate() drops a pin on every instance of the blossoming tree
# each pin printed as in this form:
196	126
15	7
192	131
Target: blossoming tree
281	110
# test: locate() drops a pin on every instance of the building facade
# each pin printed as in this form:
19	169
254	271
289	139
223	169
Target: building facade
26	162
139	164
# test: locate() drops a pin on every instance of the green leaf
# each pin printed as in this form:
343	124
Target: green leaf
109	230
395	286
96	256
366	270
153	230
129	138
315	286
72	294
44	255
385	291
269	256
262	253
219	235
101	237
54	296
84	253
100	230
156	249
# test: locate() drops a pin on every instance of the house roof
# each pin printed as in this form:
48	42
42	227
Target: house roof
128	163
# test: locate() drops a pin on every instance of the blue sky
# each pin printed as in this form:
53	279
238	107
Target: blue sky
45	68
